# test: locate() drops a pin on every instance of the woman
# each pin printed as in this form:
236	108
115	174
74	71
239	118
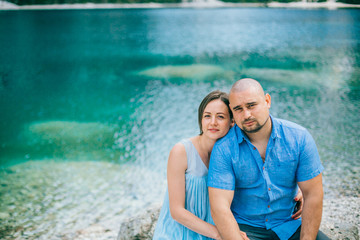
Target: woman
185	213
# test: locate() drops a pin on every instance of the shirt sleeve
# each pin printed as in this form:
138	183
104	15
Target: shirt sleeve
221	174
309	164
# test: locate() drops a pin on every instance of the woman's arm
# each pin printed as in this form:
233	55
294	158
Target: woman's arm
177	165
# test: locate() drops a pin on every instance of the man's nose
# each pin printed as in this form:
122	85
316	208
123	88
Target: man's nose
247	113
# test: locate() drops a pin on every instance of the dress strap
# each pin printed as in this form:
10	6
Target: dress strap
195	165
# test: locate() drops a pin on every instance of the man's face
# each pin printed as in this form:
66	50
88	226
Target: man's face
250	109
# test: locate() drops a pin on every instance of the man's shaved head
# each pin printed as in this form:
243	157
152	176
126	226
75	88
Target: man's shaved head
250	105
246	84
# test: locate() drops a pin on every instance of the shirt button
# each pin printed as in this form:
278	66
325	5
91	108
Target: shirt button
269	189
254	148
266	220
268	206
263	168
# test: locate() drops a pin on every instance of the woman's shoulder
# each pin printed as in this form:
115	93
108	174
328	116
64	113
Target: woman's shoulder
178	155
178	148
183	145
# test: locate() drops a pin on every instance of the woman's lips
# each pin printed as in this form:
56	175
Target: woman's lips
213	130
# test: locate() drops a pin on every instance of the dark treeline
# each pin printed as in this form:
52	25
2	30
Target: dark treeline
32	2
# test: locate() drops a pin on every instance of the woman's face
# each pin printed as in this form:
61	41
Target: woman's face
216	120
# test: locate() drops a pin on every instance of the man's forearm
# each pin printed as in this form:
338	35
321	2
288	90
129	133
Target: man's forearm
227	225
311	217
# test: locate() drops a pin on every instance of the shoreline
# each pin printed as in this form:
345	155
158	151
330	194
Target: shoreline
340	221
199	5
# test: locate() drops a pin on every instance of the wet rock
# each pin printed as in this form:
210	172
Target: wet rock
141	226
94	231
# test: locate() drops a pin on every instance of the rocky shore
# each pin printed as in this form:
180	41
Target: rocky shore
341	221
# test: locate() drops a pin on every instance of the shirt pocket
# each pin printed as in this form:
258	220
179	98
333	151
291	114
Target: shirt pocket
283	167
247	173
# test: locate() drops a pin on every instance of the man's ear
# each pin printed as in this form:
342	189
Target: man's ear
232	123
268	100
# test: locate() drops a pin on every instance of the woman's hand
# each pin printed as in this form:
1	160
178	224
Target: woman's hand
299	205
218	237
244	236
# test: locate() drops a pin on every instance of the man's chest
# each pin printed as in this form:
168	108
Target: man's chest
279	167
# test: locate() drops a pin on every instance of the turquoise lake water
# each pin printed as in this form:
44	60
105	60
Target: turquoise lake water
92	101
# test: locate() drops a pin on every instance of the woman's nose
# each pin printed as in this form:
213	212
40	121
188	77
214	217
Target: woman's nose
213	121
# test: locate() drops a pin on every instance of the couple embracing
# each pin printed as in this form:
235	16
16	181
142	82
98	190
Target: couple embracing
258	173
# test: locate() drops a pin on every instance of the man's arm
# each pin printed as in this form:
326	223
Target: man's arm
220	202
312	210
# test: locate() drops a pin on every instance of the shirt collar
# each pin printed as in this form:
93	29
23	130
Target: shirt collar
241	136
275	128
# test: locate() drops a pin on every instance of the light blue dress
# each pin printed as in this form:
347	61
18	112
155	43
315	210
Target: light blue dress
196	200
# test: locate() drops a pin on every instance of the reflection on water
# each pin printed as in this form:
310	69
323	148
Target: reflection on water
93	101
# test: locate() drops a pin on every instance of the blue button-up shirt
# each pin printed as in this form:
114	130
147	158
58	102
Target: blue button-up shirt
264	191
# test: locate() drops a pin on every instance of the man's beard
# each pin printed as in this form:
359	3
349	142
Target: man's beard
257	126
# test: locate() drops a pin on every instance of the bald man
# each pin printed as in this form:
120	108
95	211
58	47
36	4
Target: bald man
255	171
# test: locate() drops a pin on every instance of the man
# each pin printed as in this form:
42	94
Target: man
255	171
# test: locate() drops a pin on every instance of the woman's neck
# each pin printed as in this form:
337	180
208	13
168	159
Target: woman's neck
205	146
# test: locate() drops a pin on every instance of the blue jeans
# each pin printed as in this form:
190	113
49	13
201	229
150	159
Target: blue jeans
256	233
